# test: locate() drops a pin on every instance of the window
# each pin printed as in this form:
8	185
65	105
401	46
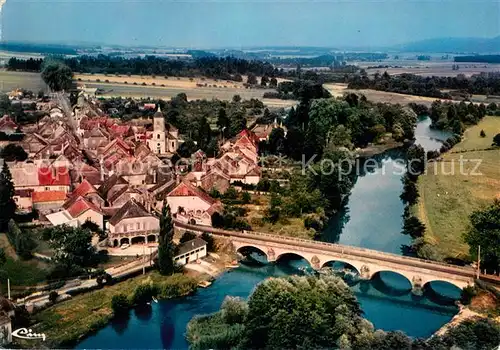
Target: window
158	136
125	228
138	226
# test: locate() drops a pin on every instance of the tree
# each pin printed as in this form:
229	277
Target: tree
410	190
211	245
217	220
57	75
285	313
3	258
166	247
120	304
251	79
413	227
5	104
339	136
273	82
53	295
187	236
496	140
237	121
73	247
416	160
236	98
186	148
485	232
482	133
276	143
264	80
223	120
7	203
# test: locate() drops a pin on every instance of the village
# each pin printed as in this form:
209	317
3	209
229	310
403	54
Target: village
86	169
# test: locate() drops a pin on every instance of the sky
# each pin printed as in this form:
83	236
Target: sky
244	23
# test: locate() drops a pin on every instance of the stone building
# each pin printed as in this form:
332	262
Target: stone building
165	137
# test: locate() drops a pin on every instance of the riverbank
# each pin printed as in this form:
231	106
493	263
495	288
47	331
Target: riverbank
452	188
67	323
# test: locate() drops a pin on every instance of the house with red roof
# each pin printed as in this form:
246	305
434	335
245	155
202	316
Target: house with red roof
131	224
77	211
190	204
48	200
54	179
7	125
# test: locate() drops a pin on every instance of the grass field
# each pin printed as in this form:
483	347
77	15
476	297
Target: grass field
13	80
21	273
448	195
67	322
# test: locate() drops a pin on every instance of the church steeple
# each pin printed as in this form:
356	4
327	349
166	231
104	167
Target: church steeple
158	113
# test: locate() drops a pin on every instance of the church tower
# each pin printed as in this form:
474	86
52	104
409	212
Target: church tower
157	142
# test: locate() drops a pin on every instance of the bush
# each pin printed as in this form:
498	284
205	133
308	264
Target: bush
144	293
246	197
482	133
496	140
467	294
120	304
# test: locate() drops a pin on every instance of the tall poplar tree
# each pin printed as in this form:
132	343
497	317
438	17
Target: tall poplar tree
166	247
7	203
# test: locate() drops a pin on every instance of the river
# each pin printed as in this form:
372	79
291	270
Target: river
372	218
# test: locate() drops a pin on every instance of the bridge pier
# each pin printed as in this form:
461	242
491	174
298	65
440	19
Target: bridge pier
417	286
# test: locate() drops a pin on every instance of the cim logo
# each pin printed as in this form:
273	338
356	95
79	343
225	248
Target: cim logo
24	333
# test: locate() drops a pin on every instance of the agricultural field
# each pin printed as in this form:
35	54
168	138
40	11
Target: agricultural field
14	80
438	68
161	87
338	90
448	195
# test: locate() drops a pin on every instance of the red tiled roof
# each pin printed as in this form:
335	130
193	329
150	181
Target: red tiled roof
53	176
7	122
185	189
80	206
84	188
119	129
48	196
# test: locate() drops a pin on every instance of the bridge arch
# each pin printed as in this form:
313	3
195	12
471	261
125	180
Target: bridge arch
391	283
251	248
339	263
291	255
441	291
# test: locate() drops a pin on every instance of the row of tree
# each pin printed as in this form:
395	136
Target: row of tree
455	117
482	84
227	68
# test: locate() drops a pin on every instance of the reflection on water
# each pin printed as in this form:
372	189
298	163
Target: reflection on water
166	323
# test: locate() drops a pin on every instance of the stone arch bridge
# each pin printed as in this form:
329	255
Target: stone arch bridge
367	262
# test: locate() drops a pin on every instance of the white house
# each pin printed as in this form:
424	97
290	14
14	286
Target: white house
192	205
191	251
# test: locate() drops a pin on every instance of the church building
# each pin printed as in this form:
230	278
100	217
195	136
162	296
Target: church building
165	137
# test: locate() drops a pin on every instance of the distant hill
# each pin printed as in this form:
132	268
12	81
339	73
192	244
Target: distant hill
453	45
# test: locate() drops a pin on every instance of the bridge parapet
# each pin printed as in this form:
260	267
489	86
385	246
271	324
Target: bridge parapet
366	261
